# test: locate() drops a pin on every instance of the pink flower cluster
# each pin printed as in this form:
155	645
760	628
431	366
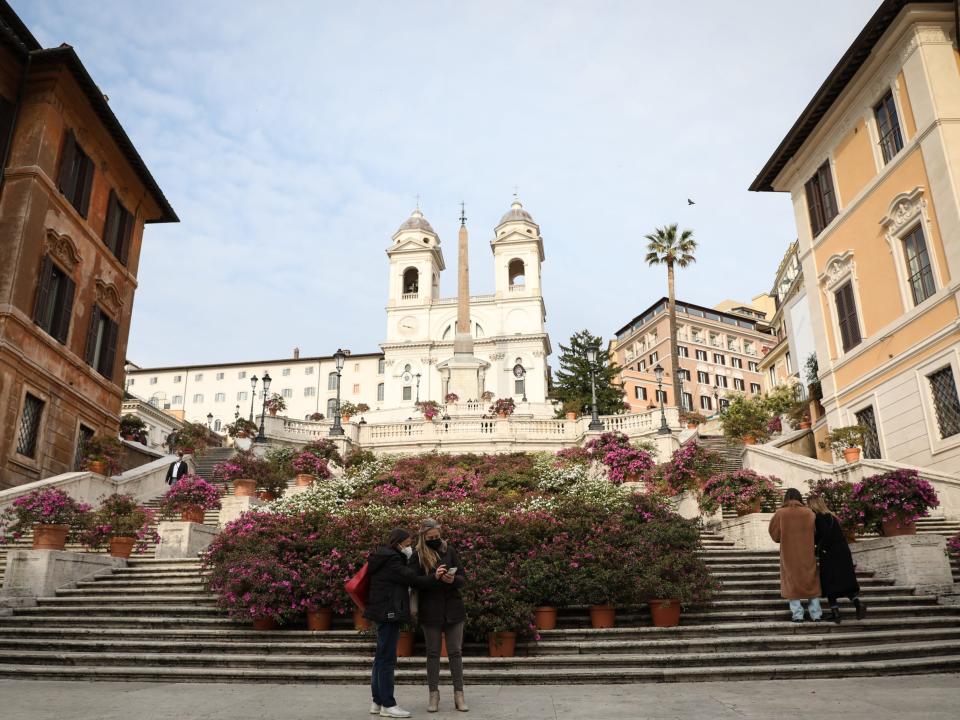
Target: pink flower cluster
737	489
311	464
49	506
953	545
623	461
900	496
189	492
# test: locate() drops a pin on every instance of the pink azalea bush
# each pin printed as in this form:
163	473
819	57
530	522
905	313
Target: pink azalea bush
187	493
48	506
953	545
623	461
120	516
308	463
739	489
899	496
689	467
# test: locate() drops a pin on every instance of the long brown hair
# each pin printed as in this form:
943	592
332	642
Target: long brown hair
429	558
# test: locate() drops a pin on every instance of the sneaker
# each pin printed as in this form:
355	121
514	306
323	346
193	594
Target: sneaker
374	708
861	611
395	711
796	620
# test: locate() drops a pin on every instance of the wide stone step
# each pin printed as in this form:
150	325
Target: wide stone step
65	599
54	606
772	590
109	583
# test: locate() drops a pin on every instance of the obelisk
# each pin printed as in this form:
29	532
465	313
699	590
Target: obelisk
463	339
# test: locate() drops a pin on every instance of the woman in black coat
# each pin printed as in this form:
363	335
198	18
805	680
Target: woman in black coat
440	610
838	576
388	605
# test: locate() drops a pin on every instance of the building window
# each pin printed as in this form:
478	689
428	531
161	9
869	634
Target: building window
76	174
380	392
772	372
178	399
102	338
703	378
285	372
702	355
153	381
723	404
684	374
198	377
356	367
309	391
662	396
331	407
118	228
332	381
738	384
706	403
220	397
220	376
29	426
130	381
719	359
411	281
407	392
242	395
639	393
847	317
242	375
946	404
287	392
642	366
789	364
755	388
54	304
682	351
198	398
356	389
919	273
216	425
687	401
871	439
308	371
381	366
821	199
177	378
752	366
654	357
888	127
80	456
736	362
721	381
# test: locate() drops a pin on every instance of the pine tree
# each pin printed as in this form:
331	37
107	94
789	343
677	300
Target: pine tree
572	381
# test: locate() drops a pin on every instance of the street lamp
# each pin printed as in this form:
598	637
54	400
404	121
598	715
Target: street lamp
716	398
236	412
263	408
253	394
664	429
595	423
337	429
209	421
417	376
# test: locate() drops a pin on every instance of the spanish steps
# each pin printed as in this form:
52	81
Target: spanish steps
154	620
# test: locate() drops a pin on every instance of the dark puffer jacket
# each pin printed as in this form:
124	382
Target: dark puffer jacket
441	603
390	578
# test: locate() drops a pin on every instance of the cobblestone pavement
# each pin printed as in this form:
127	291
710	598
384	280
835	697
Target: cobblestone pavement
930	697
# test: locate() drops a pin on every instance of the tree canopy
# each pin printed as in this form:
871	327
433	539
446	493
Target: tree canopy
572	381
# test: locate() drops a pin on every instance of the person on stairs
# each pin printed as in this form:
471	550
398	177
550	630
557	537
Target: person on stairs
440	610
838	575
389	606
792	526
178	468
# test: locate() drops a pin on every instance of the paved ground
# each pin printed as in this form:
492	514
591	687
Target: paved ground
930	697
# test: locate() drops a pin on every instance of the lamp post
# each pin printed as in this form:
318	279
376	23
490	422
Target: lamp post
716	399
337	429
417	402
253	394
209	421
236	412
263	409
595	423
664	429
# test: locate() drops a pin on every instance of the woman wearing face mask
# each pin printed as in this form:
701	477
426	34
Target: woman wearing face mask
440	609
388	607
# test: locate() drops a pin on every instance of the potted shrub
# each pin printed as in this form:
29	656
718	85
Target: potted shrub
799	415
545	585
688	469
189	498
846	441
244	470
486	396
692	419
275	403
744	490
745	419
600	576
347	410
362	408
503	407
498	609
132	428
192	438
102	455
569	410
50	512
326	449
121	523
892	502
623	461
310	467
429	408
270	483
838	496
280	459
451	398
243	432
316	417
673	579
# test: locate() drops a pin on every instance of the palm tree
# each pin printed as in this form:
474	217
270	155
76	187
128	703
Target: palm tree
664	247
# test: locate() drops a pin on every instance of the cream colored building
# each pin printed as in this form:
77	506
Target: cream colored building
872	166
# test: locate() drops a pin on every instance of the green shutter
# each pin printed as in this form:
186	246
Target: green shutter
91	349
43	289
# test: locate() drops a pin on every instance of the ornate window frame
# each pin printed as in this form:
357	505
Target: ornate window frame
949	357
906	211
839	268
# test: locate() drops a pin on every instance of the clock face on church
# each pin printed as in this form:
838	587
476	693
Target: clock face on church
407	325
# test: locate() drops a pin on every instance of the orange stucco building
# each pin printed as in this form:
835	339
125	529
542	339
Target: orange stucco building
873	166
74	198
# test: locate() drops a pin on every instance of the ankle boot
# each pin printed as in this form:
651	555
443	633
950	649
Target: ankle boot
861	609
434	703
835	614
459	702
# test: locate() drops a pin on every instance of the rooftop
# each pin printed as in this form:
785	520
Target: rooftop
690	309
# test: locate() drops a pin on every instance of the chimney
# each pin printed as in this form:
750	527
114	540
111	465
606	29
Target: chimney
296	353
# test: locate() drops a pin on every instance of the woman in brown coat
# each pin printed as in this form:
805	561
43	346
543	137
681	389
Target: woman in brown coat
793	527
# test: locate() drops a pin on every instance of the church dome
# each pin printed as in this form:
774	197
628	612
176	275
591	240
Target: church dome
516	212
416	221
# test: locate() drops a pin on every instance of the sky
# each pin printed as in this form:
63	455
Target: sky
292	139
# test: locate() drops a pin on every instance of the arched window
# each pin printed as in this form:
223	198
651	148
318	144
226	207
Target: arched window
411	281
332	381
331	407
516	272
216	425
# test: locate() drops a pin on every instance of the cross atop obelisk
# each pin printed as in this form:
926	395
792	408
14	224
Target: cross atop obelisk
463	340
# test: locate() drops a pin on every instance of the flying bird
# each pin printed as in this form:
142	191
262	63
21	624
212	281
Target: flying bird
690	202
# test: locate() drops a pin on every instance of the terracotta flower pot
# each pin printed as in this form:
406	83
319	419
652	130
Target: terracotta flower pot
345	418
749	440
244	488
359	621
265	624
571	416
545	617
893	528
748	509
665	613
304	479
267	496
502	644
50	537
193	514
405	644
97	466
851	455
502	415
692	425
319	619
272	413
602	616
805	424
122	547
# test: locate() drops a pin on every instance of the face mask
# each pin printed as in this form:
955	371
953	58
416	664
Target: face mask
434	544
407	551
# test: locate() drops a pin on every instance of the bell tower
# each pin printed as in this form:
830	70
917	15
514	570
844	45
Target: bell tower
416	261
517	253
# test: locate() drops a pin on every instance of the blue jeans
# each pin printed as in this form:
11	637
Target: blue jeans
385	663
813	607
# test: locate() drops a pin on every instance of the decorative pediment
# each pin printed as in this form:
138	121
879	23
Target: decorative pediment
63	249
905	209
838	268
109	298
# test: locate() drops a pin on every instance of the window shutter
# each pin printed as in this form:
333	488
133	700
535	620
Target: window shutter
110	233
826	190
67	180
813	205
847	317
110	349
85	175
66	310
43	289
126	233
91	349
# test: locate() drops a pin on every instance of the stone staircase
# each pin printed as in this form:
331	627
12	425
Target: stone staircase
154	621
731	453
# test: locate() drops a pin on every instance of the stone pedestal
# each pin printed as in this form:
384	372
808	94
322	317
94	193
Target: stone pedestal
686	505
749	532
183	539
232	507
38	573
918	560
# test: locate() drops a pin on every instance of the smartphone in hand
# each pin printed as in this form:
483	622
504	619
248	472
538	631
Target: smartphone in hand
452	571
